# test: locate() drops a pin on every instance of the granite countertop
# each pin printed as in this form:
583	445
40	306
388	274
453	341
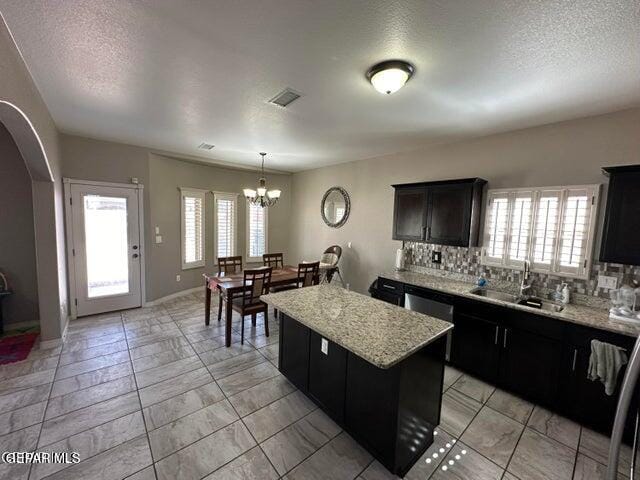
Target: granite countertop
578	314
380	333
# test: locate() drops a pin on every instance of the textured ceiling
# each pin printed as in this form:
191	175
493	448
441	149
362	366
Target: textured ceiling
171	74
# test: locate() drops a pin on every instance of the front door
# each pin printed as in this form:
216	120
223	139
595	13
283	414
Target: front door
106	250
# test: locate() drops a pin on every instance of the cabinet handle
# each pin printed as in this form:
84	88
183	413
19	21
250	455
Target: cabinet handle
575	356
497	331
504	341
389	287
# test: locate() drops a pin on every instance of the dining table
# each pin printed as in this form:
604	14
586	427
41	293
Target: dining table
230	285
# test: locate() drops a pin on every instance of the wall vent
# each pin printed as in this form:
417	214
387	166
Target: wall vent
205	146
285	97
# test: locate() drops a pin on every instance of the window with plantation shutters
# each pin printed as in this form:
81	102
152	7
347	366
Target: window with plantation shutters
575	231
545	232
256	232
192	227
552	227
225	211
496	228
520	228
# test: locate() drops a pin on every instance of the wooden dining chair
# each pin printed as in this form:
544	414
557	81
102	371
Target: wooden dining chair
256	283
308	274
227	265
273	260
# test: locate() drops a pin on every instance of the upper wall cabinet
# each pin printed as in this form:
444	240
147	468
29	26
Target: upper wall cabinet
445	212
620	239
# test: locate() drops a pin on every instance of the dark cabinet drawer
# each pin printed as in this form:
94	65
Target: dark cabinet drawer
390	286
327	375
294	352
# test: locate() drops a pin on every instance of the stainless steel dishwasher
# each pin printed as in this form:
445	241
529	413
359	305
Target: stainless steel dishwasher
434	304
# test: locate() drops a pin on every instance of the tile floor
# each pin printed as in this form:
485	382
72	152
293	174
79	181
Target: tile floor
153	393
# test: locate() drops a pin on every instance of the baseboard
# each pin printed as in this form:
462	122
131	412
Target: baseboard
44	344
181	293
29	324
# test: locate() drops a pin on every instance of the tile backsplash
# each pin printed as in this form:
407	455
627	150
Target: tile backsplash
465	264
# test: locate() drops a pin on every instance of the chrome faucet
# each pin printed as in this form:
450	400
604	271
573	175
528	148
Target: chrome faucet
526	272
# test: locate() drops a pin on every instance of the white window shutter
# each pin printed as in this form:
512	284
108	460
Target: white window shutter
575	231
545	232
495	230
520	228
192	208
552	227
256	231
225	218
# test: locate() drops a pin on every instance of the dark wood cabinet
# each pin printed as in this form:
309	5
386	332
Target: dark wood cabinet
327	375
294	352
391	412
475	345
538	358
449	214
409	215
529	365
444	212
620	239
585	399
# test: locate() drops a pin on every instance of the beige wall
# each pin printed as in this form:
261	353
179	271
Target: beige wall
18	89
564	153
167	176
17	244
162	176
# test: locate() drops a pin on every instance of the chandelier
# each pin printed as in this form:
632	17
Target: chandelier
260	196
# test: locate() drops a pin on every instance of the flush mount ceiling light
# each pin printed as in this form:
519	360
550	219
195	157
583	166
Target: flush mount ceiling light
390	76
260	196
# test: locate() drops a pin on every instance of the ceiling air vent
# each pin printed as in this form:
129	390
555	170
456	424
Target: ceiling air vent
285	98
205	146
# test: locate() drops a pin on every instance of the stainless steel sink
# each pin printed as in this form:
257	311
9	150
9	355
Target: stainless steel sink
504	297
530	302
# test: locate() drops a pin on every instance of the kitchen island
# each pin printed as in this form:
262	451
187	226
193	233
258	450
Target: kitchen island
375	368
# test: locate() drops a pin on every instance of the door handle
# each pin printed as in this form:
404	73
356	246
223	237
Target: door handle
135	255
504	340
575	357
497	332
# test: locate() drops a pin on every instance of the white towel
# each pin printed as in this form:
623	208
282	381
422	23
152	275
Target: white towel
605	363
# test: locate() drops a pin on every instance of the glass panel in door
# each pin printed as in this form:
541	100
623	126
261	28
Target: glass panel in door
107	252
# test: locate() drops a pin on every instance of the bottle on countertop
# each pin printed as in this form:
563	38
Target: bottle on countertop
557	295
482	281
566	294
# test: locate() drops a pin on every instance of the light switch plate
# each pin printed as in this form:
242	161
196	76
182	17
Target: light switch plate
607	282
324	346
158	238
157	230
436	257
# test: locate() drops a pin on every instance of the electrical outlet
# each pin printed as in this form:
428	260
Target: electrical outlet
324	346
609	283
436	257
177	278
158	238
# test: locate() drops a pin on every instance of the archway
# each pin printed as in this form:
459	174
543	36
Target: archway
32	151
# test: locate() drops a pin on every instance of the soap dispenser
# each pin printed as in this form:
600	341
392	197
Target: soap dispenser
566	294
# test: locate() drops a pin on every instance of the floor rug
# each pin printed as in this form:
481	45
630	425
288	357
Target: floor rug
16	347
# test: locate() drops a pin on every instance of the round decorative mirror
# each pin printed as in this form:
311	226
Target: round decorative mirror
335	207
